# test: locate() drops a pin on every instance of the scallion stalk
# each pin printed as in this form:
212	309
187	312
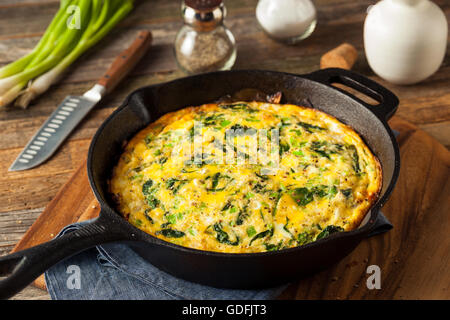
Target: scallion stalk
59	48
48	36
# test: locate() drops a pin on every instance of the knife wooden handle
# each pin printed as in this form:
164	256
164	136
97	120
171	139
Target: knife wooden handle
126	61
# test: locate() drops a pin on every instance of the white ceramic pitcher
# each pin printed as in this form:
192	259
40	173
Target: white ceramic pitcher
405	40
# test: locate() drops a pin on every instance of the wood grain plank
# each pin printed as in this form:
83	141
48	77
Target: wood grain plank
17	132
12	24
22	3
32	293
14	225
71	201
440	131
35	188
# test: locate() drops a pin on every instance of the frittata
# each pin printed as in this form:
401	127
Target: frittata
245	177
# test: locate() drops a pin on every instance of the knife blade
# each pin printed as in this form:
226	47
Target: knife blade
74	108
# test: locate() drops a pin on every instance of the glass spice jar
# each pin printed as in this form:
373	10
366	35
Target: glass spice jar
204	44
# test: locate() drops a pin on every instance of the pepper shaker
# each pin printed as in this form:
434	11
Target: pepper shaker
204	44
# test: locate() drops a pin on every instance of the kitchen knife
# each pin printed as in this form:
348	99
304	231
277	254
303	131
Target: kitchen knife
74	108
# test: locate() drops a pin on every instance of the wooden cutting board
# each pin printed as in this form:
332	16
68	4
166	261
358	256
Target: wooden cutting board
413	257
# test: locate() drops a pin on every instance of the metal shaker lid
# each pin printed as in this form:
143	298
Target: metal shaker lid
203	15
203	5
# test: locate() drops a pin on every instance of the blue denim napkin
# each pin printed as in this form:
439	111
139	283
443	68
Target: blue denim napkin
116	272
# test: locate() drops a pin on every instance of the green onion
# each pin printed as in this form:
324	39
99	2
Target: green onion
59	47
251	231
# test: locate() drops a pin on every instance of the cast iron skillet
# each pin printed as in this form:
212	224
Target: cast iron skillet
225	270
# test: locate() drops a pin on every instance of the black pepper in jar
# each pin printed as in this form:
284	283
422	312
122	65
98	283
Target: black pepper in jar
204	44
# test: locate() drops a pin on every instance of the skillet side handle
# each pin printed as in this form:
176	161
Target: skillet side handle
387	101
21	268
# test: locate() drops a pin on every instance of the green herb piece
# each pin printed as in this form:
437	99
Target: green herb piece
347	192
146	187
165	225
184	170
263	177
240	130
285	228
148	139
258	188
274	194
215	180
191	231
239	106
273	247
321	190
224	123
319	147
251	231
148	191
278	196
212	120
172	219
226	206
223	237
249	195
152	201
332	191
199	160
242	215
302	196
304	238
355	159
310	127
192	133
147	216
268	232
137	176
171	233
284	147
175	184
329	230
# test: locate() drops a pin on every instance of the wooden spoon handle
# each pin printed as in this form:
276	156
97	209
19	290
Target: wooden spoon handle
126	61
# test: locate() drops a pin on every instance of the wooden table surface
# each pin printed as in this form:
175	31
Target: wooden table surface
23	195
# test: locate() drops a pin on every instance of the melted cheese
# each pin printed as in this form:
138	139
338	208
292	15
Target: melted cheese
174	181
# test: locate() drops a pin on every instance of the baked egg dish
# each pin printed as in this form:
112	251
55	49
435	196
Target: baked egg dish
245	177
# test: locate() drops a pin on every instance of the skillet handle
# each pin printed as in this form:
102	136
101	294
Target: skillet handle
387	101
21	268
